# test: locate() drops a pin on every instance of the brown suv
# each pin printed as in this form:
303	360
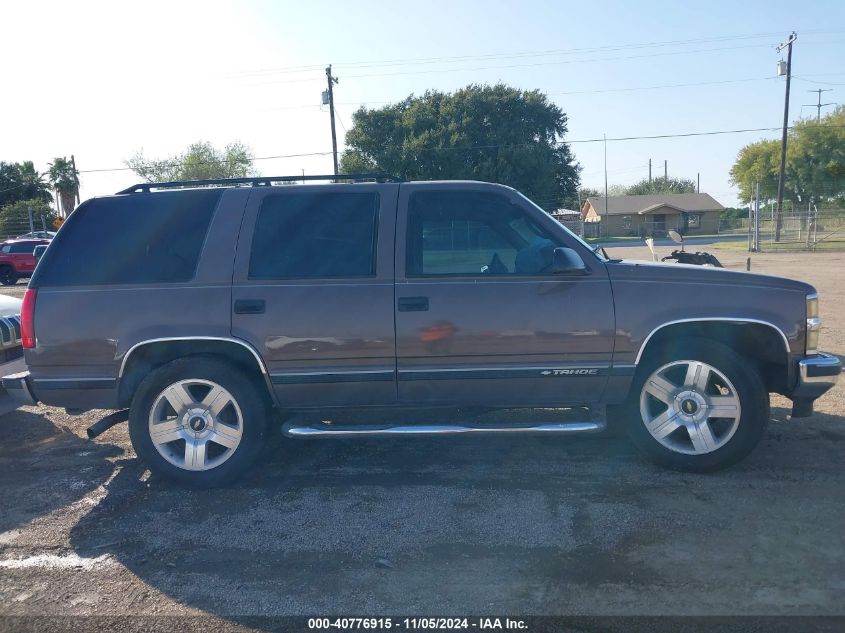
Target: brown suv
201	310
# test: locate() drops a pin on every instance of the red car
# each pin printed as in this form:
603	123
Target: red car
17	260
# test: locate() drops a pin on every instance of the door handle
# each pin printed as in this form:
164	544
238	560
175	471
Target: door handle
249	306
413	304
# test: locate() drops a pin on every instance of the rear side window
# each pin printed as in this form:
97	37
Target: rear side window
312	235
135	239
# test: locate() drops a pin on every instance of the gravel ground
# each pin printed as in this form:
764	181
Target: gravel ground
435	526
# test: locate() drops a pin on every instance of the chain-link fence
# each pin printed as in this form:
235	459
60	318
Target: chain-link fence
14	227
800	230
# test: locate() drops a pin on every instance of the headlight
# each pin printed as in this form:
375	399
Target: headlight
814	323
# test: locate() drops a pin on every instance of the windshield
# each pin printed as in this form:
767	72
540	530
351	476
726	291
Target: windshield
595	249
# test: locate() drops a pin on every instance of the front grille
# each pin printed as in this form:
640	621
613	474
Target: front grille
10	331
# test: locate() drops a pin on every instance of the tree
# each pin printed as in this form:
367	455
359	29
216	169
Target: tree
815	163
661	185
201	161
577	200
65	180
21	181
494	133
14	217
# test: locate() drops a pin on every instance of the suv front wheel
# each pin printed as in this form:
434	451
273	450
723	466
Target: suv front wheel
696	407
198	421
8	276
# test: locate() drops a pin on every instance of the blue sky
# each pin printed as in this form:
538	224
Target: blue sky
112	79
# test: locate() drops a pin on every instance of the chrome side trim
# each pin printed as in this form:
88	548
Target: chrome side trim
104	379
291	429
193	338
316	377
75	383
723	319
488	368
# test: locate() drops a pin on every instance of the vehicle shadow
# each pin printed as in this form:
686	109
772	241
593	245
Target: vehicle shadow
44	467
520	524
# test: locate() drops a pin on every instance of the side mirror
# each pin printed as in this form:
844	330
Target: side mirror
565	260
38	252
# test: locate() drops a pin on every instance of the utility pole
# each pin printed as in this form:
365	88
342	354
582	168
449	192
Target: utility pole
698	183
31	227
580	207
606	197
787	45
666	170
757	218
649	171
332	80
818	106
75	177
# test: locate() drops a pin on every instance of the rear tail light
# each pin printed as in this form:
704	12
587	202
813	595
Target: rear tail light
28	319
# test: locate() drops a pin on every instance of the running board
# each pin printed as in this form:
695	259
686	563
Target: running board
321	430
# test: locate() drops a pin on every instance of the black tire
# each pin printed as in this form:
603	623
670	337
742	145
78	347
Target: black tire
752	394
250	396
8	276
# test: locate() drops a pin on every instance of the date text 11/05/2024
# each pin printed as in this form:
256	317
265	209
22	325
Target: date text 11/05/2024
423	623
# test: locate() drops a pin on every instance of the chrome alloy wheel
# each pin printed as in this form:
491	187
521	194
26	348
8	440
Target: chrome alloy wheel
195	424
690	407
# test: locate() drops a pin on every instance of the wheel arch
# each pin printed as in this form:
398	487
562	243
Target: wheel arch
147	355
762	342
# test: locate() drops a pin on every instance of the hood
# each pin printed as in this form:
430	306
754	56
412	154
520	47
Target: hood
658	271
9	305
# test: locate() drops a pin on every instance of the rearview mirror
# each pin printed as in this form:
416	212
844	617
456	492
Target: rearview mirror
566	260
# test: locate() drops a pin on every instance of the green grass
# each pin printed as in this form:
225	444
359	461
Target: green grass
635	238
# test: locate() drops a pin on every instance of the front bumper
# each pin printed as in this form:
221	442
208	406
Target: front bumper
816	375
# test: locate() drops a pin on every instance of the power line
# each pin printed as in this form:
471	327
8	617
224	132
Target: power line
511	66
499	145
517	55
179	164
819	105
555	94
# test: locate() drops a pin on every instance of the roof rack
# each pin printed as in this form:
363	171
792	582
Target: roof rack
257	181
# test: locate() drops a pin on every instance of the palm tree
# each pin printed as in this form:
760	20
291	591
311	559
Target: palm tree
32	183
65	180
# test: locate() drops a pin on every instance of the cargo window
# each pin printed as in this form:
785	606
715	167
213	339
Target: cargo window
314	235
468	233
135	239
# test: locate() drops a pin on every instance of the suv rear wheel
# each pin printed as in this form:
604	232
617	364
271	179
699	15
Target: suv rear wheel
198	421
697	407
